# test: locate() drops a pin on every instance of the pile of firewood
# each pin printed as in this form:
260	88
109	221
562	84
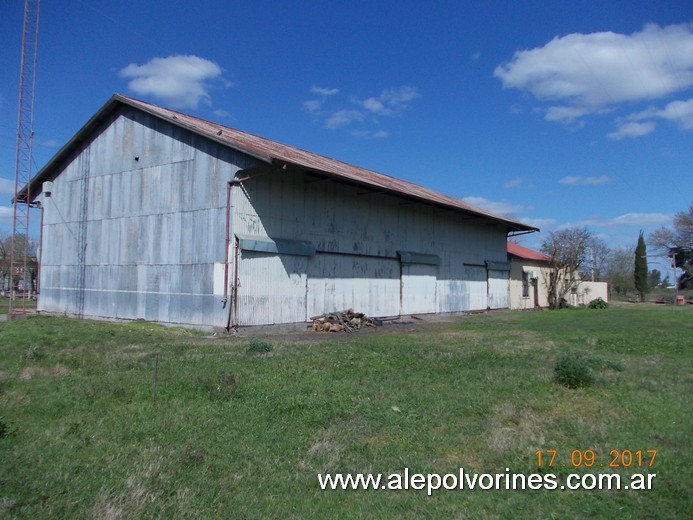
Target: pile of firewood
342	321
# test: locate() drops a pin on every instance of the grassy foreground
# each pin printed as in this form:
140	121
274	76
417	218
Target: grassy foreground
240	428
29	304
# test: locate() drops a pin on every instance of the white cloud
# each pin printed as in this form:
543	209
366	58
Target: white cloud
390	101
590	73
343	118
182	81
680	112
573	180
641	123
564	114
47	143
221	113
641	219
379	134
313	106
632	129
538	222
324	91
6	214
501	207
514	183
627	219
570	179
6	187
599	69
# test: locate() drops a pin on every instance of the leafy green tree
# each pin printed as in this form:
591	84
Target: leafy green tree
654	278
619	272
640	267
21	247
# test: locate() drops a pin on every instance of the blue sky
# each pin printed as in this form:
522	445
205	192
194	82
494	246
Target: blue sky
556	113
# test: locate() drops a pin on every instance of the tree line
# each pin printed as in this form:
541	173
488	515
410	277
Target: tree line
578	254
22	282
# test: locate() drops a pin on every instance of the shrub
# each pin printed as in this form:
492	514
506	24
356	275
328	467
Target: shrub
598	304
34	353
259	346
573	370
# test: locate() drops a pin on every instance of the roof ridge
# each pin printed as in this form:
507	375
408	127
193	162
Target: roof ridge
269	150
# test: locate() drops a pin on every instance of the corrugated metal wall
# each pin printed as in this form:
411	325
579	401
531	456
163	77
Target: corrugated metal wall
136	228
497	289
419	288
339	282
145	202
358	236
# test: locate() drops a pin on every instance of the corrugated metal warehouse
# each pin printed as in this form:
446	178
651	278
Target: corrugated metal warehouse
150	213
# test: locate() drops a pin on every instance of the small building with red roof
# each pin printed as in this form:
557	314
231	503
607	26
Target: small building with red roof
529	275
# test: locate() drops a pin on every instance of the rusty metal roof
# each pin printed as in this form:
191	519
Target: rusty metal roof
527	253
279	154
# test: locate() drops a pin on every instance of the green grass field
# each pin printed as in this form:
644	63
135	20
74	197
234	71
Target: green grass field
29	304
240	428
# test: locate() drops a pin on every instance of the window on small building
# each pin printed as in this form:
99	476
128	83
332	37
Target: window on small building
525	284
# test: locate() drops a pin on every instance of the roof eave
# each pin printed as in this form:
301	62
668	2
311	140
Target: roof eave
74	143
512	226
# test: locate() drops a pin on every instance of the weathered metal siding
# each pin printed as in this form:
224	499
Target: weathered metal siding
136	228
272	288
497	289
358	235
419	293
339	282
135	225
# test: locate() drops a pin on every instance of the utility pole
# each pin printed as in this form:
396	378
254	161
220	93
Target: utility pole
19	253
676	279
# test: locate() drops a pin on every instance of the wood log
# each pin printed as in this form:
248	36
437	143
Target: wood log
347	321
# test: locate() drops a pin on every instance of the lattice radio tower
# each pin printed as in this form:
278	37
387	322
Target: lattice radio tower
19	256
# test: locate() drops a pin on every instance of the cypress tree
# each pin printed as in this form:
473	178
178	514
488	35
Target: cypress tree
640	271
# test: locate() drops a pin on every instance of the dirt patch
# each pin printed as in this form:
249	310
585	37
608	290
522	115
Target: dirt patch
60	370
32	372
514	427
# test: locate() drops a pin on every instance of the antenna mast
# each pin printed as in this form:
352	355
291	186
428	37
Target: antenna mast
19	254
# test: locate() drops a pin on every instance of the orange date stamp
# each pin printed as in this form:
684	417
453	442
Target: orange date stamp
588	458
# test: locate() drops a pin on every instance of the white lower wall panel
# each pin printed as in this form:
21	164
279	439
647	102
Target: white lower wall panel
365	284
419	288
272	288
498	289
